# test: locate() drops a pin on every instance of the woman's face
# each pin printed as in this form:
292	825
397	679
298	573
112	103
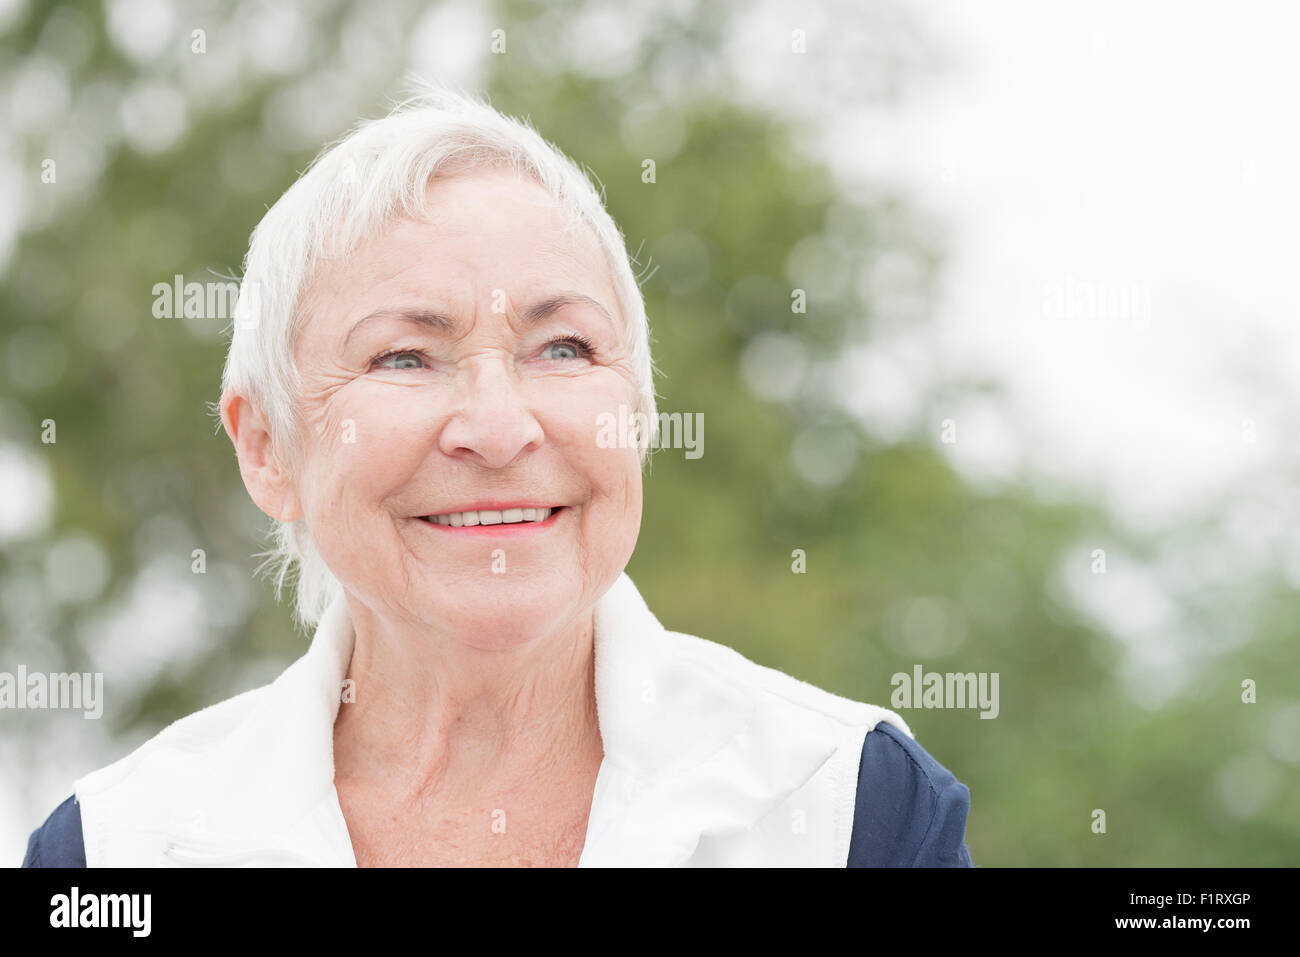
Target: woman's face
462	365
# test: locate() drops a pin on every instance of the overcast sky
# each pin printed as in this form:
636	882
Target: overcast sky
1120	183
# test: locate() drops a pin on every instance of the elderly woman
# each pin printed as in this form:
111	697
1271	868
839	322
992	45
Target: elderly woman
434	319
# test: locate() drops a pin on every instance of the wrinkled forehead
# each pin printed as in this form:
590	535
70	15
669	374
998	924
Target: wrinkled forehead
485	233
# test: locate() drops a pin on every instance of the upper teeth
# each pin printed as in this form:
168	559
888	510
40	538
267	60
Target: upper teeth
491	517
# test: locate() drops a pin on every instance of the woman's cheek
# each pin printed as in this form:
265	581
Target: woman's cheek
583	408
387	418
365	447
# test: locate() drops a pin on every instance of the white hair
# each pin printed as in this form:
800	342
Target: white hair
379	172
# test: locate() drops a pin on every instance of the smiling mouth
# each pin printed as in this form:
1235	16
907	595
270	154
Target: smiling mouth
509	516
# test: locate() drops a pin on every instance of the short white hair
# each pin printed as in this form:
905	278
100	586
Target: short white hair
377	173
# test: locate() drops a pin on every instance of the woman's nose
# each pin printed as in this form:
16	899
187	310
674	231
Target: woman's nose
491	420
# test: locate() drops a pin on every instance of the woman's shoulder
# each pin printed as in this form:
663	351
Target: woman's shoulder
910	810
730	665
58	842
188	737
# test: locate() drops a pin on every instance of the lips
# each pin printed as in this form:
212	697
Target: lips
516	517
490	516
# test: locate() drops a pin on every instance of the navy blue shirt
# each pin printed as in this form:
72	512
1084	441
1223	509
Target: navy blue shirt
910	812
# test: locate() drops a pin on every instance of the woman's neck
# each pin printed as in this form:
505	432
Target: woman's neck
436	714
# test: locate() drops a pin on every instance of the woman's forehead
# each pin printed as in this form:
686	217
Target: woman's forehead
484	219
487	237
448	197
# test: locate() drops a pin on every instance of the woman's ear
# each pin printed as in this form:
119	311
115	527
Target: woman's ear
267	481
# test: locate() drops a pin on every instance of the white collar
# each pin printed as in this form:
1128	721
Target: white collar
698	740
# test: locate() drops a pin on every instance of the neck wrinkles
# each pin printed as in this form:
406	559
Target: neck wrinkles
441	715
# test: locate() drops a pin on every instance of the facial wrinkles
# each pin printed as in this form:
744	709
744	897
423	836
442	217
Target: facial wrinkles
476	373
494	337
330	374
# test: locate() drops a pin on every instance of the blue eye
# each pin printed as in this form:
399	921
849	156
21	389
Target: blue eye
399	360
576	347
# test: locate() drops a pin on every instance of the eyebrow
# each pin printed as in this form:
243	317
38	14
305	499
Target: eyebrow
439	322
